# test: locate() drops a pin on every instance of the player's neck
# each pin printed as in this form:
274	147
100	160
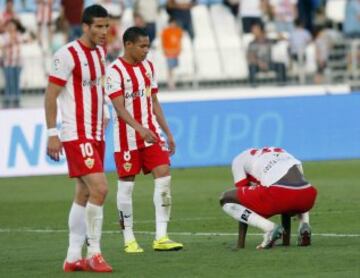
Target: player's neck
128	59
86	42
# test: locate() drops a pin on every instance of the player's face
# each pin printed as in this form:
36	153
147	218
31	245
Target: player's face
139	49
97	31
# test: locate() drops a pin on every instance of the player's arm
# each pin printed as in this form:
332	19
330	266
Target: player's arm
119	105
54	146
163	124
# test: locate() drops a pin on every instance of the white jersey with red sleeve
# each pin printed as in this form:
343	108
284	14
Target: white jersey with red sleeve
137	83
262	166
81	72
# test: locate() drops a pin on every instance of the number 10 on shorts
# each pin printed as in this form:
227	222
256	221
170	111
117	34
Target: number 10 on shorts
86	149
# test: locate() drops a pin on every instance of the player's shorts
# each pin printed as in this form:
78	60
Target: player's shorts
277	199
130	163
84	157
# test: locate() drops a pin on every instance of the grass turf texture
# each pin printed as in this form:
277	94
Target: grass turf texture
42	204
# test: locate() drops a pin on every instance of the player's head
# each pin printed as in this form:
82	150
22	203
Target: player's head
136	43
95	24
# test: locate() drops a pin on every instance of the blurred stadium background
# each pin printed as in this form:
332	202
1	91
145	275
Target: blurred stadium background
214	112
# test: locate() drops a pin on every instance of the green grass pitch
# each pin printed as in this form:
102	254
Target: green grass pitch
33	228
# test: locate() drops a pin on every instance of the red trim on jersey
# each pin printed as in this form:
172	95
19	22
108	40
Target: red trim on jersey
148	99
243	182
78	94
124	146
153	90
116	94
136	101
102	86
94	94
57	81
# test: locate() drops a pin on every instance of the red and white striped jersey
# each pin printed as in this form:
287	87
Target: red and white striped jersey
262	166
11	48
44	11
81	71
137	83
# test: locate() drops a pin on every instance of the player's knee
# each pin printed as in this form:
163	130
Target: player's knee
227	197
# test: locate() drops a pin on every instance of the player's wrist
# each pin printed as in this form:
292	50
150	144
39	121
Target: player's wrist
52	132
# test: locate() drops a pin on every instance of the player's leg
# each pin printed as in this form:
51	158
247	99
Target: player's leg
162	204
125	208
128	165
77	230
232	206
97	185
304	230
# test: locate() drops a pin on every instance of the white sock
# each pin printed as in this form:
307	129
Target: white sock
247	216
162	203
304	218
77	232
125	208
94	220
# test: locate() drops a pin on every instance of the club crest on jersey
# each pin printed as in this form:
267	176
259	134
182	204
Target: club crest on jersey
89	162
127	166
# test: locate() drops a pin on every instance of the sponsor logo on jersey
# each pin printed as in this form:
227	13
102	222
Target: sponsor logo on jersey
89	162
136	94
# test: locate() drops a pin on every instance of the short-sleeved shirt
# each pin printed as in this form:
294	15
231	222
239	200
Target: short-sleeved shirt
81	72
137	83
262	166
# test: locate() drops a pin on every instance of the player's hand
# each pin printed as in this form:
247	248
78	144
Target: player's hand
171	144
54	148
148	135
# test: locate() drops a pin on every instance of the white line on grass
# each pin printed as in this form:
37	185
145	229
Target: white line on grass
50	231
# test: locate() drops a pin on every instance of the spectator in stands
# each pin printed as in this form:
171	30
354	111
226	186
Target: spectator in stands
259	57
325	39
148	10
251	13
114	42
352	19
171	44
10	45
180	10
284	13
298	41
306	13
71	12
43	18
7	14
233	5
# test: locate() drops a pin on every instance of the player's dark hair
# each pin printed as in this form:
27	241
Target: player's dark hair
133	33
93	11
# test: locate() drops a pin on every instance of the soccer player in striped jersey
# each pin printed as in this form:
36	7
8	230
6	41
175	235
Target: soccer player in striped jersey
77	82
269	181
131	85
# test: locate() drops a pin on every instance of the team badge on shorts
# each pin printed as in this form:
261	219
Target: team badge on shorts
127	166
89	162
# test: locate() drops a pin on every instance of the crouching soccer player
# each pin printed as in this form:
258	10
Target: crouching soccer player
269	181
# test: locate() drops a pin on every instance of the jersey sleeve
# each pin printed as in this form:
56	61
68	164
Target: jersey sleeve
239	172
113	86
154	84
61	67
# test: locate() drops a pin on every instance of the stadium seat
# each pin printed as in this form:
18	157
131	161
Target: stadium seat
233	57
335	10
206	53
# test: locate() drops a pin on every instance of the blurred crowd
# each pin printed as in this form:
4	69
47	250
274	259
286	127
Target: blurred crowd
299	22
